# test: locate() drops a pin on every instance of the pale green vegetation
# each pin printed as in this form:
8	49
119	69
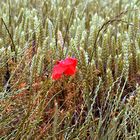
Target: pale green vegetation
102	101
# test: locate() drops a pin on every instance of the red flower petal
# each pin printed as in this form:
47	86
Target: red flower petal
67	66
57	72
56	76
69	62
70	71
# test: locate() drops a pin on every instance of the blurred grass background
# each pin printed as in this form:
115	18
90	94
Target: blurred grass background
101	102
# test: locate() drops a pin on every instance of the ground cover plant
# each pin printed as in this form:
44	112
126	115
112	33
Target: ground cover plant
69	69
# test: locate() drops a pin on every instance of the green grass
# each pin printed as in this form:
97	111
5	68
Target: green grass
102	100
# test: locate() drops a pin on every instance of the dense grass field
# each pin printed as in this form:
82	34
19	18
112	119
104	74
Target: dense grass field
100	100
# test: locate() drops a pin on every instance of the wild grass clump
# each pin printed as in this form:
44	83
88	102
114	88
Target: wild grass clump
101	101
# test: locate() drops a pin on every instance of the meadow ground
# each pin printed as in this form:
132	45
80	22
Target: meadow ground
69	69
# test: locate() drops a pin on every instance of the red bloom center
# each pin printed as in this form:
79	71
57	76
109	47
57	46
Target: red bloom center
66	67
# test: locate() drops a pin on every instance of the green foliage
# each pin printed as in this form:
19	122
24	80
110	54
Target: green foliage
101	101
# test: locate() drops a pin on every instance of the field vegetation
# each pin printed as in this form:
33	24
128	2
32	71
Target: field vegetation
101	101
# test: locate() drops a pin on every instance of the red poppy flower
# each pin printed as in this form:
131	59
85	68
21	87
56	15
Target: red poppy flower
66	67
